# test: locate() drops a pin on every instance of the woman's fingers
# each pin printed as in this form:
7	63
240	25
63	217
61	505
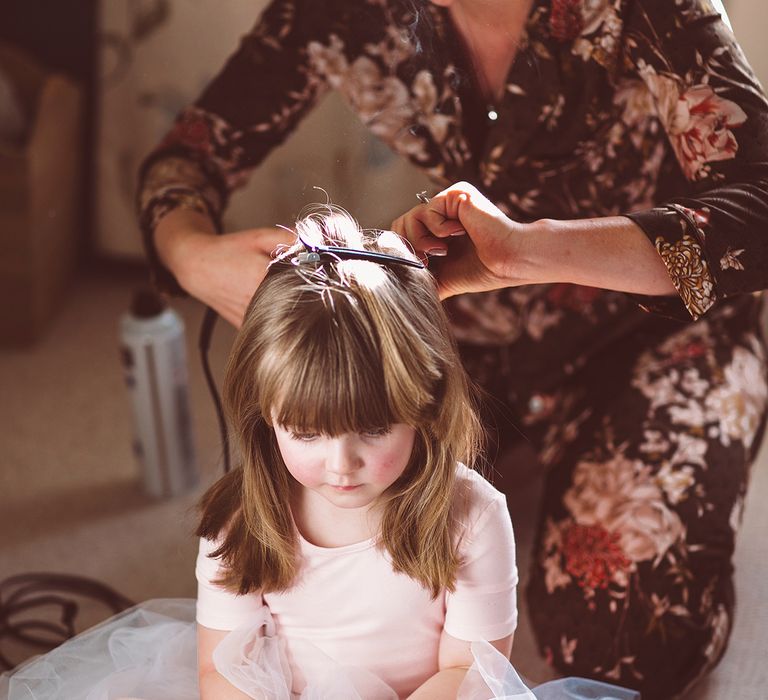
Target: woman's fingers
480	259
449	201
425	227
441	220
417	234
438	218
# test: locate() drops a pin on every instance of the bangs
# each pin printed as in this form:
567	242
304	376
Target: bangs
331	377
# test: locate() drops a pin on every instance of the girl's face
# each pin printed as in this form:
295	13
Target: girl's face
349	470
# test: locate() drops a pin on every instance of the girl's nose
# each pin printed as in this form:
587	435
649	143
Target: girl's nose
342	456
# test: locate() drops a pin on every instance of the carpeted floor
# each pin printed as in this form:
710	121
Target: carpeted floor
70	500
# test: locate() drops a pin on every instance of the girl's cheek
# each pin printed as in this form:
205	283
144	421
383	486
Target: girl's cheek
390	469
304	474
388	465
300	466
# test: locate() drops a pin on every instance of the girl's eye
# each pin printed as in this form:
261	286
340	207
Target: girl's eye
303	437
377	432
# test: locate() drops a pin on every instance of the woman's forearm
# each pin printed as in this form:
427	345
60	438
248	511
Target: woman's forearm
175	232
609	253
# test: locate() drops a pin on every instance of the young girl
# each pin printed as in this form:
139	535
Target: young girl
352	531
353	554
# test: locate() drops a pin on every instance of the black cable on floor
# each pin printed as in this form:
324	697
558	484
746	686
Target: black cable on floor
28	592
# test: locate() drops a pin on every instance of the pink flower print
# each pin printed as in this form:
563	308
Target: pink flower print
700	217
593	556
192	131
700	129
566	19
689	351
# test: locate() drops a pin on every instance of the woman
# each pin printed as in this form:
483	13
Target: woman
618	146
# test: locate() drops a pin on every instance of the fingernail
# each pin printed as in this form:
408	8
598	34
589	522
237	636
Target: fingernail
462	232
437	252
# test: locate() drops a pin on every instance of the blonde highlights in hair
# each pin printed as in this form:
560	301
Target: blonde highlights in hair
342	346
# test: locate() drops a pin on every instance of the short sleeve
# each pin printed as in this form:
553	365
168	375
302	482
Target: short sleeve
218	608
483	607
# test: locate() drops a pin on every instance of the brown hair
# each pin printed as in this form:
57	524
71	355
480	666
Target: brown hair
334	347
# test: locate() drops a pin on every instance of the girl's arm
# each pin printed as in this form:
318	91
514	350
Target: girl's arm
213	686
218	610
454	658
483	602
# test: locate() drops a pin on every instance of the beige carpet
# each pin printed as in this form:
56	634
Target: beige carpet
70	499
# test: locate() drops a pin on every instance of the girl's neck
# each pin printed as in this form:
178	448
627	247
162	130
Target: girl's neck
324	525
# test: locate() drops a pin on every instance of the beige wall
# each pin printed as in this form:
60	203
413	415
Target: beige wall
750	24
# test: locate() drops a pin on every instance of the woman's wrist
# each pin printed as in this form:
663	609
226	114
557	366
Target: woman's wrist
526	258
178	238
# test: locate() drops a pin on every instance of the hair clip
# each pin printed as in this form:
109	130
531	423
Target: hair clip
309	256
318	253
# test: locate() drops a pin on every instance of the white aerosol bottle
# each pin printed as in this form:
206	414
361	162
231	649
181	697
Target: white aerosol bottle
154	361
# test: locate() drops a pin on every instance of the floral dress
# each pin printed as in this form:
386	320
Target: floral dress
646	411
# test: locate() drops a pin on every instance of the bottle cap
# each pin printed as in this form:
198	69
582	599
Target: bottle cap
147	303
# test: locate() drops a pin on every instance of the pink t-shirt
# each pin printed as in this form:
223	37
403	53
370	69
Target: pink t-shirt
350	604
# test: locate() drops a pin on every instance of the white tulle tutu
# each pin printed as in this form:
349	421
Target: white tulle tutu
149	653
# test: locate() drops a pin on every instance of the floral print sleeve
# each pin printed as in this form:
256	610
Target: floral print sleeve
712	238
215	143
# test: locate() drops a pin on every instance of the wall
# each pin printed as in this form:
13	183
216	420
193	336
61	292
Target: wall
750	24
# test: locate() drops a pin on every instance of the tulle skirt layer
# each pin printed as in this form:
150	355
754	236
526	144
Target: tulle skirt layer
149	653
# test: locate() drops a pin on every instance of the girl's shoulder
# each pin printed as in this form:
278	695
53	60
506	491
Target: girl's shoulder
474	499
475	485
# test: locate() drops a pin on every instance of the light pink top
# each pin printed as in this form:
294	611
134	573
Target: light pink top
351	604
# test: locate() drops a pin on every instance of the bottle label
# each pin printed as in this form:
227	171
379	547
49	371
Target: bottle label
155	372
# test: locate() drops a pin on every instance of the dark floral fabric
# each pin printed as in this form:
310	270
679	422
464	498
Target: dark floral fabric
646	451
646	410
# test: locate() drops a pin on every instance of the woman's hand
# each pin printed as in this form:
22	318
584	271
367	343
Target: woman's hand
480	248
224	271
221	271
492	251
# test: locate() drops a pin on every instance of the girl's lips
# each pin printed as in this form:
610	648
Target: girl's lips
344	488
